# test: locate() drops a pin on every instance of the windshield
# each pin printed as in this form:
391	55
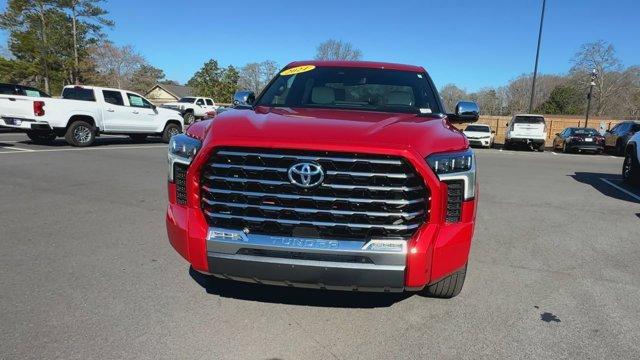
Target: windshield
587	131
477	128
187	100
352	88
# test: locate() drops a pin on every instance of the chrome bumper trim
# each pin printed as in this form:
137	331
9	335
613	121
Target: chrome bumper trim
383	272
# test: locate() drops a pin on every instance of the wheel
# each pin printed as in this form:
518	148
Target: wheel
631	169
138	137
80	133
506	145
189	118
541	147
170	130
448	287
41	137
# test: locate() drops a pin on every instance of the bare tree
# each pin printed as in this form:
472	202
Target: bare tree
451	94
255	76
337	50
599	55
116	65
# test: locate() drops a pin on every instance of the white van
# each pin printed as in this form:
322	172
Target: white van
526	129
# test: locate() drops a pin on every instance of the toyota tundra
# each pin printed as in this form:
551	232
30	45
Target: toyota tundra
340	175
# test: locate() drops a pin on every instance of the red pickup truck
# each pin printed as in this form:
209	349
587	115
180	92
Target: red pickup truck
340	175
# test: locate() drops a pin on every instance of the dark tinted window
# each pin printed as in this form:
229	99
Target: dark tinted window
209	102
528	120
7	89
636	128
113	97
200	102
353	88
78	93
187	100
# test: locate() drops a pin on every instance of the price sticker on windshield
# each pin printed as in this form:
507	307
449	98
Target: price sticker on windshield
298	70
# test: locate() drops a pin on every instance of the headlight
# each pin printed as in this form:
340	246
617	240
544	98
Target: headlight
182	149
456	166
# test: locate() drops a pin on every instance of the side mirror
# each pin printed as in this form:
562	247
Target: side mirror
466	112
244	98
493	131
557	134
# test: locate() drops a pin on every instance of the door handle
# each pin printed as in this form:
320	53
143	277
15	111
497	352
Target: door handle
135	112
110	110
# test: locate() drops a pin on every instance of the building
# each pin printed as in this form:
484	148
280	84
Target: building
164	93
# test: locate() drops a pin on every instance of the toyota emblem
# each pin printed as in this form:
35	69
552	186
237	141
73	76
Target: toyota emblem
306	175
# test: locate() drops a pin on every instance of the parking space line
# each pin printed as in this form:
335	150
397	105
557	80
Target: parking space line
15	148
24	151
637	197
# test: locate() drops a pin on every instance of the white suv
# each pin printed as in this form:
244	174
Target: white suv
526	129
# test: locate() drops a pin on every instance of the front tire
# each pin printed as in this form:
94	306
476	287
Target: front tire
541	147
170	130
448	287
41	138
80	133
631	169
189	118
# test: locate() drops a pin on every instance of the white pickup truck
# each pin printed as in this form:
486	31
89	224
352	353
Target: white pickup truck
193	108
85	112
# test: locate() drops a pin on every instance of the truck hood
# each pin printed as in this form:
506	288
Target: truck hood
173	104
314	128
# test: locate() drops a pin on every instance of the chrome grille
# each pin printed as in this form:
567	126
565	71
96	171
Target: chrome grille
362	196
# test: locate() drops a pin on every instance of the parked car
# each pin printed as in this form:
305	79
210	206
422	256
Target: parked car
579	139
615	140
85	112
15	89
526	129
341	175
192	108
479	135
631	165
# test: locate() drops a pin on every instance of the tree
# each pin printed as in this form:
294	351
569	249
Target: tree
337	50
30	18
599	55
94	15
564	100
255	76
213	81
115	66
145	77
451	94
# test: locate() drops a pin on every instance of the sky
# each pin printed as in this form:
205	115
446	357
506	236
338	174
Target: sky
473	44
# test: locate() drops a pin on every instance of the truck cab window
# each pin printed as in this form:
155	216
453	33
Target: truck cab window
209	102
138	101
113	97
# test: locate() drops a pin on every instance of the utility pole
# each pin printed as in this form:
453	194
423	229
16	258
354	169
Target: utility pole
535	68
594	76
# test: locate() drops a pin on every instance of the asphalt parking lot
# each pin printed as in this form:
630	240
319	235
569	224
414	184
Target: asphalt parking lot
86	270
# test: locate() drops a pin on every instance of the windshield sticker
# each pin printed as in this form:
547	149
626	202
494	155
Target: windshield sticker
298	69
425	111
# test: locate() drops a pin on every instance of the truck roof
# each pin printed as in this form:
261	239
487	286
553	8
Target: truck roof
358	64
96	88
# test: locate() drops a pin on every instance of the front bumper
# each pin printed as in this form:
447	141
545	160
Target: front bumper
307	262
586	147
480	142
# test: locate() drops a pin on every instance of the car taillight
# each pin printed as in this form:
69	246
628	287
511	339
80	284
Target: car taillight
38	108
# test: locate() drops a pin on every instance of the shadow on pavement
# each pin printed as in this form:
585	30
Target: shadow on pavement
595	180
294	296
100	141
